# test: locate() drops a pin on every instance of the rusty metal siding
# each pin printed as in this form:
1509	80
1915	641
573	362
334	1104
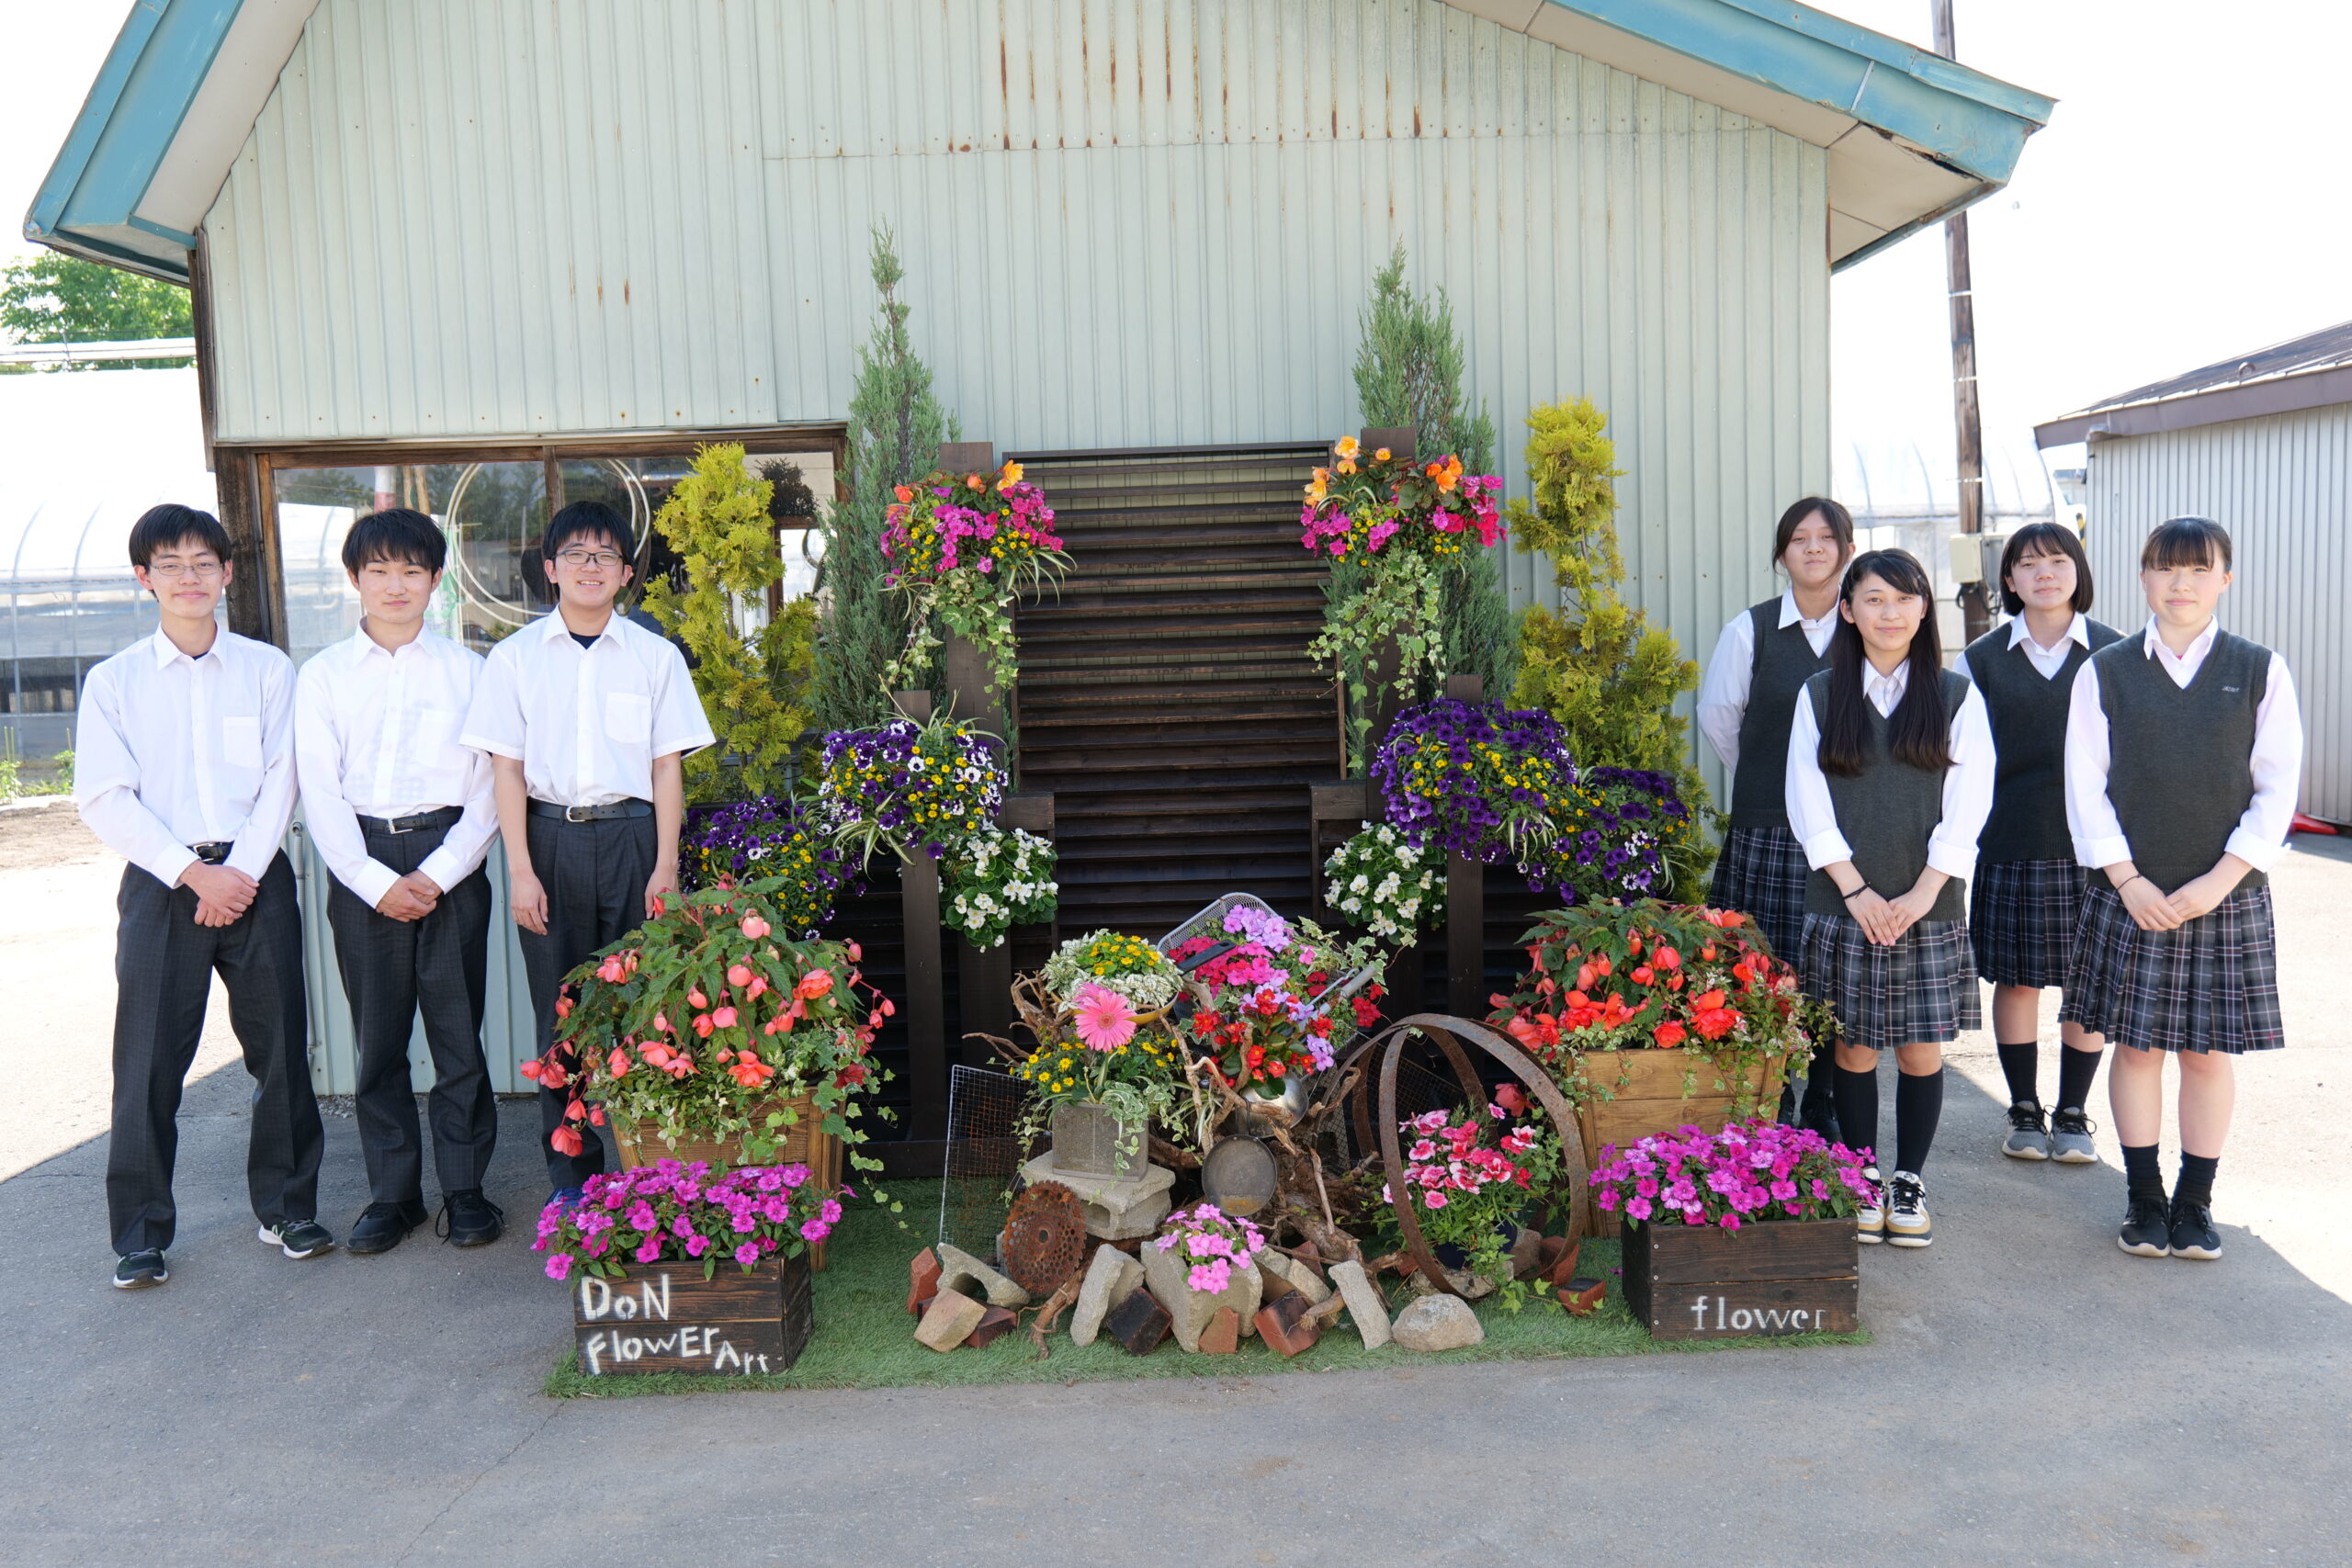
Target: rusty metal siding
2282	485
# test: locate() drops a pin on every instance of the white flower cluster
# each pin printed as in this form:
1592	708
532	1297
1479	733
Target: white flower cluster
1388	885
995	880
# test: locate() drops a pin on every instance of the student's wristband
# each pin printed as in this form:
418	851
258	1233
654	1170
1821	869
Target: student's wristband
2127	882
1856	893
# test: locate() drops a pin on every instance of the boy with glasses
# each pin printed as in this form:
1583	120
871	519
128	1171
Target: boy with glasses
587	718
184	765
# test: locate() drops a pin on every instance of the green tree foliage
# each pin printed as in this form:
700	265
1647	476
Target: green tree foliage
1598	666
1408	372
895	425
717	519
57	298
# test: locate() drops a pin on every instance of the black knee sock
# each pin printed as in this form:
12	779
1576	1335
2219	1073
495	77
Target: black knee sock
1858	1111
2141	1176
2018	1066
1918	1106
2196	1184
2076	1071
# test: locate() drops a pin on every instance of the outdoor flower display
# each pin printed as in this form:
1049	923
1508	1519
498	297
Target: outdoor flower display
1095	1050
1470	1178
921	789
1750	1171
995	879
1386	883
1214	1245
961	546
768	840
668	1212
1116	961
1488	782
1621	829
1265	1011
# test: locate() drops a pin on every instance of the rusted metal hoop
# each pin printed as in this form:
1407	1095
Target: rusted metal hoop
1443	1029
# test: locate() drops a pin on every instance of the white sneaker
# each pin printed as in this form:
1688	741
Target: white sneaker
1907	1210
1870	1220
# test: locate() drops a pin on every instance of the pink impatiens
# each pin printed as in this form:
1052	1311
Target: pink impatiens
1217	1243
672	1212
1749	1171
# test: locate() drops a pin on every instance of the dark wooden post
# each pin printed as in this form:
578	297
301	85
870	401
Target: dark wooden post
985	977
926	988
969	699
1465	903
1380	703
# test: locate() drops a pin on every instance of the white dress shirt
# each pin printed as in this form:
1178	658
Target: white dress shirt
1968	783
2260	837
171	751
1731	673
586	723
2047	661
376	734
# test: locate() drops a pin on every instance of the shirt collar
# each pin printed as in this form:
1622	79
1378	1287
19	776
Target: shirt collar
2077	630
363	645
1791	615
1873	682
554	626
166	650
2153	642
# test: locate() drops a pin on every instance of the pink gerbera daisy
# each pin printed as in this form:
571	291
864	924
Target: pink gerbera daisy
1104	1018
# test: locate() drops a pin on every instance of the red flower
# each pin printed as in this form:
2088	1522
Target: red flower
1668	1034
1644	974
565	1140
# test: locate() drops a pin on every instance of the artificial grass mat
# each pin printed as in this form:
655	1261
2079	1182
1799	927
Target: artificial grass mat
863	1338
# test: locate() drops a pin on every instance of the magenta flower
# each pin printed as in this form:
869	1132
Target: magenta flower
560	1266
747	1254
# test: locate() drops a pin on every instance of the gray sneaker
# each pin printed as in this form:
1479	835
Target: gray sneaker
2029	1133
2070	1136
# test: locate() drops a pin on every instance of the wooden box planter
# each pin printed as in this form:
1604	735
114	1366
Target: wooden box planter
1650	1100
665	1318
1773	1277
803	1143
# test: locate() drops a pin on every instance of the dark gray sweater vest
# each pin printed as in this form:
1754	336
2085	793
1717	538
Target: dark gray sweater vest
1886	812
1784	662
2181	767
2028	715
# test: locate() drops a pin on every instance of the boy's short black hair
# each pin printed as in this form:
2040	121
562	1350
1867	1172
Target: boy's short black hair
2045	540
395	533
160	528
2186	541
589	520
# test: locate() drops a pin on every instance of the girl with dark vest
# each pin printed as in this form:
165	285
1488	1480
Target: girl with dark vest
1890	779
2028	891
2184	751
1762	659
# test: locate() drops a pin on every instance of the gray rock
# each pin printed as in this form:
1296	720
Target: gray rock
1365	1303
1469	1286
1298	1276
1110	1279
1438	1323
1165	1273
959	1270
1115	1211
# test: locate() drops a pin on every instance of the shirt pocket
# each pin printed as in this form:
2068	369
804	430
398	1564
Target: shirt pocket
240	743
628	718
439	759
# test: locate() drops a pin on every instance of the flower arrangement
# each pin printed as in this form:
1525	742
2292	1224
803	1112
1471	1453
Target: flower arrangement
1386	883
1218	1245
921	789
1093	1046
668	1212
961	546
1469	1176
704	1023
1750	1171
995	879
1264	1009
1479	779
1116	961
767	840
1622	830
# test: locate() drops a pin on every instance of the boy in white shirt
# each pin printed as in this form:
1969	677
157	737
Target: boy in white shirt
402	815
587	718
184	765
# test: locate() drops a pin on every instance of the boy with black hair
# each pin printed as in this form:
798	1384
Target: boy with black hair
587	718
184	765
402	815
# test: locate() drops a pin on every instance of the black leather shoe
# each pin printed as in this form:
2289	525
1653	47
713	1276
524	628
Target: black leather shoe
468	1219
383	1227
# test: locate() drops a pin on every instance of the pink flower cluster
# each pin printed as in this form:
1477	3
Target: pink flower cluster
1749	1171
1447	1160
1216	1243
670	1212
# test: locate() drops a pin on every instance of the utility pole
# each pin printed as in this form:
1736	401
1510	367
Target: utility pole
1975	603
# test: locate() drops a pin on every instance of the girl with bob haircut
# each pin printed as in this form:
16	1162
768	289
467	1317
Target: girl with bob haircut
1745	704
2028	891
1890	779
2184	751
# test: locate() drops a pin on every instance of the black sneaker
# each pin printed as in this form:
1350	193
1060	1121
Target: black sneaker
383	1227
468	1219
297	1238
2192	1231
2147	1228
141	1271
2029	1132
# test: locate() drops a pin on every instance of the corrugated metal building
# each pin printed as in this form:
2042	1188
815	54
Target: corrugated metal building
2261	443
497	252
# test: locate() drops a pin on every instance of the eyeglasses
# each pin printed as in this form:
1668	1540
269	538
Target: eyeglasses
576	559
172	567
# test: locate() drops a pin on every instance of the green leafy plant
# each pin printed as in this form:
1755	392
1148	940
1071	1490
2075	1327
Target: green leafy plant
1092	1048
1598	665
961	548
57	298
1469	1178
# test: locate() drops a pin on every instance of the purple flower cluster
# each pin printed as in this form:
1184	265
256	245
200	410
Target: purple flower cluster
1749	1171
672	1212
1488	782
1613	843
764	839
920	787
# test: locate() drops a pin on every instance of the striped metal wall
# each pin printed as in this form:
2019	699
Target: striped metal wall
2283	488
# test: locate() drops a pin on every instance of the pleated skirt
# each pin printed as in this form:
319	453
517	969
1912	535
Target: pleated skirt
2212	984
1923	990
2021	919
1762	873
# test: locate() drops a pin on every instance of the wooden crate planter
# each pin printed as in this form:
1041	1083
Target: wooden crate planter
665	1318
1650	1100
1775	1277
803	1143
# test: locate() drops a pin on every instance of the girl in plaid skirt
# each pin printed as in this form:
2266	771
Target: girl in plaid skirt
2184	748
1890	778
2028	891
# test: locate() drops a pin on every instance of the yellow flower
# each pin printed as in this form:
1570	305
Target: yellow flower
1381	456
1008	474
1348	446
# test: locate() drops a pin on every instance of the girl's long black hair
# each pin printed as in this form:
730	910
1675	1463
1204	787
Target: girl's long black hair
1919	730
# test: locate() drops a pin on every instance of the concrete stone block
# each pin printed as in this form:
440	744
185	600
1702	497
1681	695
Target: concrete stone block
1110	1279
1190	1309
1438	1323
949	1320
1365	1306
959	1270
1115	1211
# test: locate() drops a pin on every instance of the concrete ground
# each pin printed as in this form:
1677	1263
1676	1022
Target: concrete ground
2032	1395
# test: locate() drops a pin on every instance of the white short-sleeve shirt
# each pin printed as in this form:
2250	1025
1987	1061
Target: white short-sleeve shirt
586	723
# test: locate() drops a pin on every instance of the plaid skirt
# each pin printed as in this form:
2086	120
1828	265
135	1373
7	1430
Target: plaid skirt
2021	919
2211	985
1762	873
1922	989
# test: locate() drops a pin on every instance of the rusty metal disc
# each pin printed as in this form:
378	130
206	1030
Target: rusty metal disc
1239	1176
1045	1238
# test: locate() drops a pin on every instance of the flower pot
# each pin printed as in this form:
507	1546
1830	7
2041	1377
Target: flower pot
1650	1100
665	1318
802	1142
1086	1142
1768	1277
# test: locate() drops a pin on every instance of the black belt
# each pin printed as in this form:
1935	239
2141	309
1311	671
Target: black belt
591	813
440	817
215	854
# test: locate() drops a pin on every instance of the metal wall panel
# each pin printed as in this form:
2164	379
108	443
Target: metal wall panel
2283	488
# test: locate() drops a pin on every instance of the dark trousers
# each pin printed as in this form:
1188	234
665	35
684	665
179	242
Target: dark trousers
594	873
164	965
390	970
